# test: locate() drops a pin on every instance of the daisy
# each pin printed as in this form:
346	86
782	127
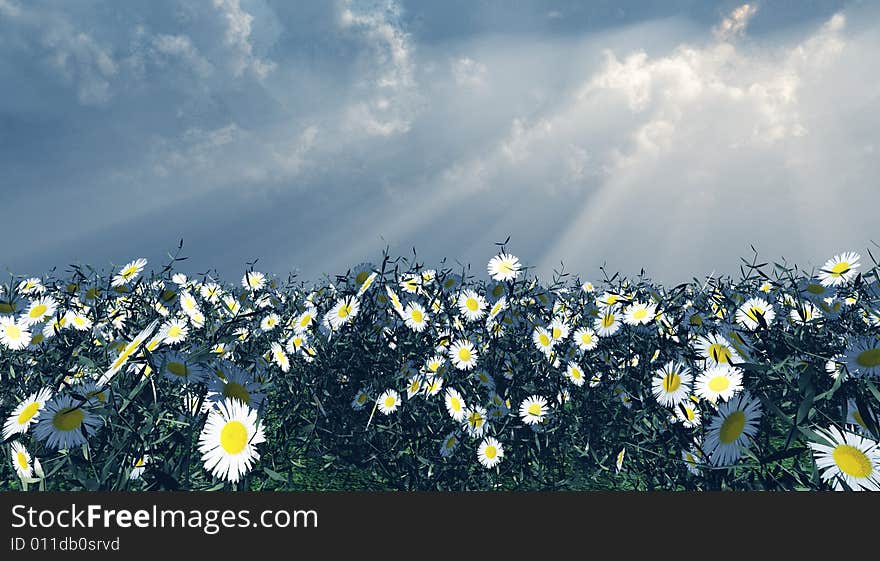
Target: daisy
618	464
575	374
688	414
269	322
63	423
127	351
228	442
533	409
31	286
434	365
304	320
178	368
482	377
236	383
433	385
78	320
730	430
804	313
849	460
360	400
854	416
608	322
129	272
719	382
253	281
755	313
499	306
367	283
672	384
490	452
639	313
543	340
716	350
863	358
21	461
343	312
450	443
463	354
455	405
14	335
586	339
814	290
471	305
174	331
840	269
692	459
139	466
279	357
410	283
475	420
504	267
26	413
39	310
415	317
388	402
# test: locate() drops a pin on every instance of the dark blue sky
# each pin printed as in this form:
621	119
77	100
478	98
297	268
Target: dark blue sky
308	135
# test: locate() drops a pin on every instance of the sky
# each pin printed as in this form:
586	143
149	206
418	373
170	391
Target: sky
308	136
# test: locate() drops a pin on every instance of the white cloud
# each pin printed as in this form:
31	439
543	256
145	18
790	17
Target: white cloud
735	24
469	73
389	97
238	39
181	47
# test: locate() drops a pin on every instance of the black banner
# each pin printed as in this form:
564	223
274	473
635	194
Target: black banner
55	525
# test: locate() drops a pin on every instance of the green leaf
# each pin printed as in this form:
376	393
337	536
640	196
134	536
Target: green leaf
275	475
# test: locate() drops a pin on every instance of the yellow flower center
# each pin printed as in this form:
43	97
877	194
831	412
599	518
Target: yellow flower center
689	413
28	413
535	409
455	403
671	382
175	331
576	374
869	358
234	437
491	452
640	314
852	461
840	269
22	460
732	427
237	391
68	419
607	320
557	332
586	338
545	341
719	383
390	401
464	354
719	353
472	304
38	311
344	311
13	332
417	316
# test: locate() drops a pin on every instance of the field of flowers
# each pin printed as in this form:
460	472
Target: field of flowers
398	376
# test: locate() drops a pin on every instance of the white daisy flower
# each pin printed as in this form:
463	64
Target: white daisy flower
63	422
26	413
129	272
575	374
21	461
490	452
388	402
229	440
840	269
719	382
639	313
455	405
671	384
755	313
253	281
471	305
533	410
463	354
585	339
504	267
39	310
731	429
847	460
416	318
14	335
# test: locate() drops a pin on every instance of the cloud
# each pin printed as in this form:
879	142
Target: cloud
468	73
388	94
735	24
238	38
